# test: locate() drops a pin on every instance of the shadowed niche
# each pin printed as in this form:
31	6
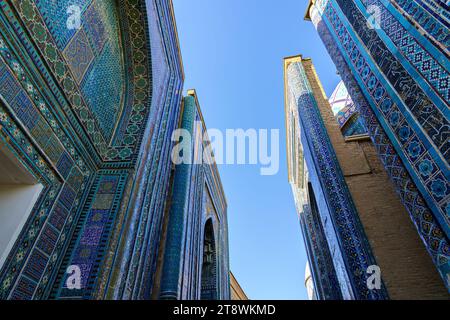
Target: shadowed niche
209	267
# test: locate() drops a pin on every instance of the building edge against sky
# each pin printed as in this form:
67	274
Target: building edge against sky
196	269
237	293
401	103
351	217
400	81
108	207
106	187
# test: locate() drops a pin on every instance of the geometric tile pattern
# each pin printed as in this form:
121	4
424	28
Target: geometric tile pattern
48	239
56	14
106	98
99	25
178	235
428	117
91	67
430	16
103	96
354	126
9	88
157	171
132	54
198	201
35	253
25	110
407	135
79	55
24	290
351	67
95	26
26	116
54	130
316	242
428	66
64	165
156	164
36	265
356	251
91	240
32	108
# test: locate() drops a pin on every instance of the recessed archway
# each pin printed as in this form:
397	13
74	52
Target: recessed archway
209	267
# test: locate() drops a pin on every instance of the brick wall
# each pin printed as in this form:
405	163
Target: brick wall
407	269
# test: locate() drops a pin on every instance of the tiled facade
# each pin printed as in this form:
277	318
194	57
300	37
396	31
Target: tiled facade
89	112
393	57
198	203
397	69
351	217
334	235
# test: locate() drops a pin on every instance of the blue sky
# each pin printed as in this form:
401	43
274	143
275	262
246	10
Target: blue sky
233	56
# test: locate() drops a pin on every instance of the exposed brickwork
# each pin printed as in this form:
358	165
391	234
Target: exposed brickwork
236	290
407	269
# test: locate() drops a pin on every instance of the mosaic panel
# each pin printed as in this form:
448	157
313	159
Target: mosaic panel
64	165
25	289
356	250
23	277
79	55
430	67
43	124
103	94
51	88
56	15
159	166
35	251
426	224
406	134
432	18
197	197
91	240
132	55
156	166
10	87
354	126
427	114
48	239
328	283
88	63
97	29
179	221
58	216
36	265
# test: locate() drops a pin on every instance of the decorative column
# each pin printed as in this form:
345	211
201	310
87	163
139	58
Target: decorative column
356	253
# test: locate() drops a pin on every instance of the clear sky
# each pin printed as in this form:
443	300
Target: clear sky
233	54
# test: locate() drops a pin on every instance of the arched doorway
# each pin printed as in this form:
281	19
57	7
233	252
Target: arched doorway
209	266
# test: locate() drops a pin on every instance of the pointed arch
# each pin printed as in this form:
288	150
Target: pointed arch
209	284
